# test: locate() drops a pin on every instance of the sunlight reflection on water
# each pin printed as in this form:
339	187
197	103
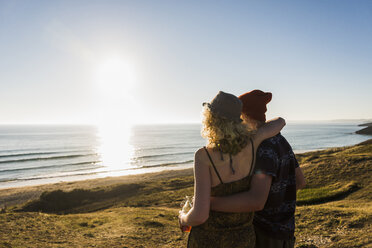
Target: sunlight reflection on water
115	149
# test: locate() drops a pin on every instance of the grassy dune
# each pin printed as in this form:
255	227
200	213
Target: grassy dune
334	210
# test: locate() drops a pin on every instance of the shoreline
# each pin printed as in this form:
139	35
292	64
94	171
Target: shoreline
25	178
89	176
12	196
104	179
130	173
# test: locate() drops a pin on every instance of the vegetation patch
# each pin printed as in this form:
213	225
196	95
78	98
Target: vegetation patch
329	226
337	191
152	224
83	200
167	192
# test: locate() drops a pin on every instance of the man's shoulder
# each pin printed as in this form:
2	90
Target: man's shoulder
274	141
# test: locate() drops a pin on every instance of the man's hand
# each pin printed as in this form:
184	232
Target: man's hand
300	179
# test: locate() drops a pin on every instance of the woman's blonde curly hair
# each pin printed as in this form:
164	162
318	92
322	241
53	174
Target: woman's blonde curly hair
228	136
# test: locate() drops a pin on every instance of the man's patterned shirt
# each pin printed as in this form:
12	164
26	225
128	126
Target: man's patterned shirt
275	157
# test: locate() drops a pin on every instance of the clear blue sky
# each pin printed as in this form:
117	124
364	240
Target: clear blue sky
314	56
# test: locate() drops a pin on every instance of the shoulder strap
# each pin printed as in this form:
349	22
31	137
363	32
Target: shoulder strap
214	167
253	155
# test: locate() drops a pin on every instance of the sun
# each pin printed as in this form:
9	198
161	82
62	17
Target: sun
115	81
115	78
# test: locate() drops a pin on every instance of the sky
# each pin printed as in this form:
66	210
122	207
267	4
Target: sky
156	61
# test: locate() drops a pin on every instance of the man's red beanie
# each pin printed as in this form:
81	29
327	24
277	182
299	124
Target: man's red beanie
254	104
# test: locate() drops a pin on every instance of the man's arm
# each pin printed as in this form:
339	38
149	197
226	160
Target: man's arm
248	201
300	179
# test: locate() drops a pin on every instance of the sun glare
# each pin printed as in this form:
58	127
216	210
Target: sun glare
115	81
116	78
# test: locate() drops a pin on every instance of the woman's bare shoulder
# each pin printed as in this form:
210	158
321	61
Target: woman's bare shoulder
201	158
200	153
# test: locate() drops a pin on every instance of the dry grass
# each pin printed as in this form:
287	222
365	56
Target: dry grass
335	209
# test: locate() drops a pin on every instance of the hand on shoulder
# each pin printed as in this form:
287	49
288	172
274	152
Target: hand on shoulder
269	129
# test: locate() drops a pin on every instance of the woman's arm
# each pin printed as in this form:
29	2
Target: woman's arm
269	129
199	213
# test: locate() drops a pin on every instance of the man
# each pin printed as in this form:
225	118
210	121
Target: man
276	178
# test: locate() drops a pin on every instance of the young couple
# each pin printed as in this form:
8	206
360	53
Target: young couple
245	178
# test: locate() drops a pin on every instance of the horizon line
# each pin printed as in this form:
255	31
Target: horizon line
167	123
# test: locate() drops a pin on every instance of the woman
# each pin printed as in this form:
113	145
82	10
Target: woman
222	168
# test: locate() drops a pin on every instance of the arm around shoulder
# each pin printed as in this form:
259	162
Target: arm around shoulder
269	129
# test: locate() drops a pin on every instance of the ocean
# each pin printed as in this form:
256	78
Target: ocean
31	155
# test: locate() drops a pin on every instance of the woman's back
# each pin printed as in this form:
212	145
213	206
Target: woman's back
227	229
238	169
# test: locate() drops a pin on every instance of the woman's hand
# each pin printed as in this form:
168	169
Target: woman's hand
180	217
183	227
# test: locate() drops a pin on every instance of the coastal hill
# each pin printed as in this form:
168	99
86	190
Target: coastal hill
369	124
334	210
367	130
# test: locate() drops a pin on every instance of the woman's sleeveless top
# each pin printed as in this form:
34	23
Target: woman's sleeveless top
226	229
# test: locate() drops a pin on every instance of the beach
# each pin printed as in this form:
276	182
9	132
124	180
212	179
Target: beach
334	210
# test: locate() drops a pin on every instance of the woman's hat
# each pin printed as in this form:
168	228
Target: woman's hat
226	105
254	104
